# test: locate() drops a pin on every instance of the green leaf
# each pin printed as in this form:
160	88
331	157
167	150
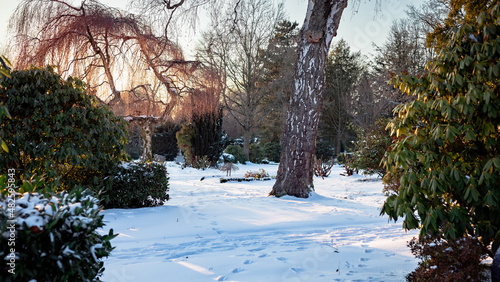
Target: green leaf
4	146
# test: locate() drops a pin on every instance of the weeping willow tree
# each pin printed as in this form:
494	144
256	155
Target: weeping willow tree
126	65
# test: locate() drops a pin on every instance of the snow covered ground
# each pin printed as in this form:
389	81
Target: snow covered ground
233	231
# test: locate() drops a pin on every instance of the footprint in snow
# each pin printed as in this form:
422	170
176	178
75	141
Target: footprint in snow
237	270
364	259
221	278
368	251
281	259
390	254
297	270
248	261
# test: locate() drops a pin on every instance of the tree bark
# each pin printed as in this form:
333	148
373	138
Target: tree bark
147	137
246	143
298	141
146	124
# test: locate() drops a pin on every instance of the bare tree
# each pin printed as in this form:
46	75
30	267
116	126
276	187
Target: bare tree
123	62
236	48
404	52
295	173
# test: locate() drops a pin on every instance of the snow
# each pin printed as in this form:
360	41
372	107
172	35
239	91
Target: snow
212	231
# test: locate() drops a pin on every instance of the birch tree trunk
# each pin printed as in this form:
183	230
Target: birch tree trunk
298	140
147	140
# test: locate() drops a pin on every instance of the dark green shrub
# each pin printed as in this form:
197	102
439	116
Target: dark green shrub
324	149
237	152
441	260
201	138
448	139
272	151
209	140
136	185
341	158
184	137
370	149
134	144
164	141
391	181
57	130
50	237
256	154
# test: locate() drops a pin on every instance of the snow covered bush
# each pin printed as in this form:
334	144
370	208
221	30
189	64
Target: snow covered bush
448	139
136	185
50	237
441	260
57	130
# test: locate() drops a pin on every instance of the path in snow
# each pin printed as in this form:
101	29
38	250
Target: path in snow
210	231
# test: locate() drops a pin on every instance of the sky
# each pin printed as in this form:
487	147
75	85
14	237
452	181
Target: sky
360	29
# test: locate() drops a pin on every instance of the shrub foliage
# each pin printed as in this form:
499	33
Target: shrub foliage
57	129
55	236
201	140
453	260
136	185
448	139
272	151
370	149
237	153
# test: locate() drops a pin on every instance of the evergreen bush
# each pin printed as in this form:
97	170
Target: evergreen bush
256	153
57	130
324	149
50	237
237	153
370	149
135	185
448	139
272	151
164	141
202	138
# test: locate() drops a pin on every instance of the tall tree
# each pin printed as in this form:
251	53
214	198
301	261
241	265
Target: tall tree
235	46
280	56
295	172
123	61
343	72
403	52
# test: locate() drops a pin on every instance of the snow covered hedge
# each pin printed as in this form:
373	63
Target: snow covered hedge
51	237
136	185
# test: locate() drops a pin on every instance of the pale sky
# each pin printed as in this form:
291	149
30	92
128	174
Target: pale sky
360	29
